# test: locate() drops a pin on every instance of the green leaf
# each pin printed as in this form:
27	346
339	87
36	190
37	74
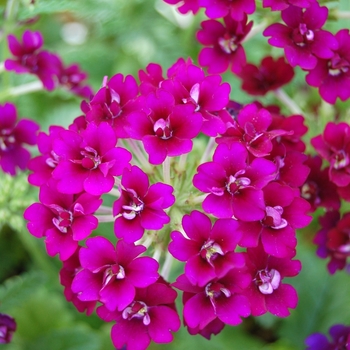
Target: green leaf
16	291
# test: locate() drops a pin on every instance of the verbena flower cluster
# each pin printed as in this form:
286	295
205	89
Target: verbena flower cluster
189	175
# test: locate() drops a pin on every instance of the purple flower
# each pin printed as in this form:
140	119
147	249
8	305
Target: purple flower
140	205
7	327
279	5
276	231
150	316
234	186
70	268
64	219
113	102
43	165
236	9
318	190
185	6
332	75
208	251
266	292
270	75
29	59
333	240
302	38
89	160
340	335
334	146
12	137
110	275
224	41
164	128
221	299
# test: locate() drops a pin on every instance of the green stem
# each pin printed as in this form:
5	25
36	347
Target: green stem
342	14
166	170
286	100
22	89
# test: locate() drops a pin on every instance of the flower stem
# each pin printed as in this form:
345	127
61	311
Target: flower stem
2	67
342	14
23	89
207	153
285	99
138	153
105	218
166	170
167	266
104	210
114	192
255	30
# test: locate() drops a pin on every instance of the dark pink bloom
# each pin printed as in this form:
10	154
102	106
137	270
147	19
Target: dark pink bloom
28	58
266	292
140	205
7	328
214	327
89	160
150	316
73	79
318	190
340	335
110	274
279	5
151	79
284	213
69	270
185	6
113	102
333	240
302	38
237	9
234	187
225	44
208	251
251	129
332	75
64	219
43	165
334	146
13	136
164	128
270	75
221	299
188	84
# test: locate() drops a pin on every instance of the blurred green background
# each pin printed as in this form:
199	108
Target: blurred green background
122	36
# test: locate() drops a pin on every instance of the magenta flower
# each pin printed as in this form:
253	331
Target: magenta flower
266	292
284	213
28	58
234	187
237	9
334	146
151	79
334	240
302	38
150	316
70	268
7	328
89	160
43	165
332	75
340	335
224	41
208	251
64	219
110	275
318	190
140	205
188	85
279	5
185	6
13	136
219	299
113	102
270	75
164	128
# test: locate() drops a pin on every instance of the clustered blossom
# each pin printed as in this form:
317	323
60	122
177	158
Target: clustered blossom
340	339
13	137
28	57
7	328
252	189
